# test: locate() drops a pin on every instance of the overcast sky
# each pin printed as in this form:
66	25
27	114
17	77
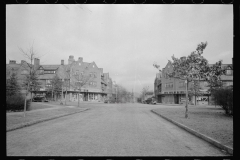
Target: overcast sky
124	40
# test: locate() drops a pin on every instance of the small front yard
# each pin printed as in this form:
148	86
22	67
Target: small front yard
208	120
15	119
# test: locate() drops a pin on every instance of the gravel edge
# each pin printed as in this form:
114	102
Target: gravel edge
200	135
40	120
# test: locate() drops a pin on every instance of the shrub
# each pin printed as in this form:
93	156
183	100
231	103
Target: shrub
16	103
224	98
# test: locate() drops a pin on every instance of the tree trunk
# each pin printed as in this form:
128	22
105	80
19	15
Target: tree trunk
186	113
66	97
78	99
52	95
25	102
195	100
31	96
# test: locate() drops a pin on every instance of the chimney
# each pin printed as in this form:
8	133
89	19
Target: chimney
12	62
71	59
62	62
80	59
36	63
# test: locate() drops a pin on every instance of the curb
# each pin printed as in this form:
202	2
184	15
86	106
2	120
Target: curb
40	120
202	136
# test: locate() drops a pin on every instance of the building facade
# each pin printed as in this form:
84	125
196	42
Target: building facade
97	86
173	90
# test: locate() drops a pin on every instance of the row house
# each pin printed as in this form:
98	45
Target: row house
20	69
96	87
173	90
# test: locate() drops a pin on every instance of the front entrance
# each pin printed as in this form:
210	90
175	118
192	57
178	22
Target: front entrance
202	100
176	98
159	99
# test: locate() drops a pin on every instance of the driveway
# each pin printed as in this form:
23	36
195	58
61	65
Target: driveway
108	130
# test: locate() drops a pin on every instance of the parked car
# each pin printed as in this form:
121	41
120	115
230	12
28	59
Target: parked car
153	102
39	99
148	101
107	101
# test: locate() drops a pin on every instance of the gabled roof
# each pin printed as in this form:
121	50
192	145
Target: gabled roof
50	67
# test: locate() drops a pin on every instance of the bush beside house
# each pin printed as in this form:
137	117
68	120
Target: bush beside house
16	103
224	98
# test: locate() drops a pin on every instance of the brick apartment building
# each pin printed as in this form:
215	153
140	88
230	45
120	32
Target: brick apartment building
173	90
97	88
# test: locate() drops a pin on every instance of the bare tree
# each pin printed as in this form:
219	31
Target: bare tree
75	80
31	80
144	91
80	80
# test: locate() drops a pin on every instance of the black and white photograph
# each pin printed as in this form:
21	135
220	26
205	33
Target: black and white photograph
119	80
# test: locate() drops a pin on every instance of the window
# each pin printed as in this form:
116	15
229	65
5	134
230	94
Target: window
228	72
182	84
229	83
41	71
95	75
48	81
169	85
49	72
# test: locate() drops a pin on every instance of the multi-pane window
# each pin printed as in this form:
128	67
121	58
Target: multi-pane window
182	84
91	83
48	83
229	83
169	85
49	72
228	72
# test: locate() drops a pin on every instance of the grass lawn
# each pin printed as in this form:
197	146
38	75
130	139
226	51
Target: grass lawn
35	106
15	119
208	120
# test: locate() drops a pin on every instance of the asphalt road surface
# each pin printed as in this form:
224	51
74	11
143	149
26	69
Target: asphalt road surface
108	130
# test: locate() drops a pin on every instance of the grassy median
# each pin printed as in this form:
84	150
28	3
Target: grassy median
208	120
16	119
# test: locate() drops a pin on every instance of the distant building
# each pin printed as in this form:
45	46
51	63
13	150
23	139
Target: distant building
98	88
173	90
158	87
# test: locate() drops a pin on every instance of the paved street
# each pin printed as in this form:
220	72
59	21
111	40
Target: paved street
108	130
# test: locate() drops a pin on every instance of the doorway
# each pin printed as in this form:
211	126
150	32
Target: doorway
176	99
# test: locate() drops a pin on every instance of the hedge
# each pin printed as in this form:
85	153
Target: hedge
16	103
224	98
